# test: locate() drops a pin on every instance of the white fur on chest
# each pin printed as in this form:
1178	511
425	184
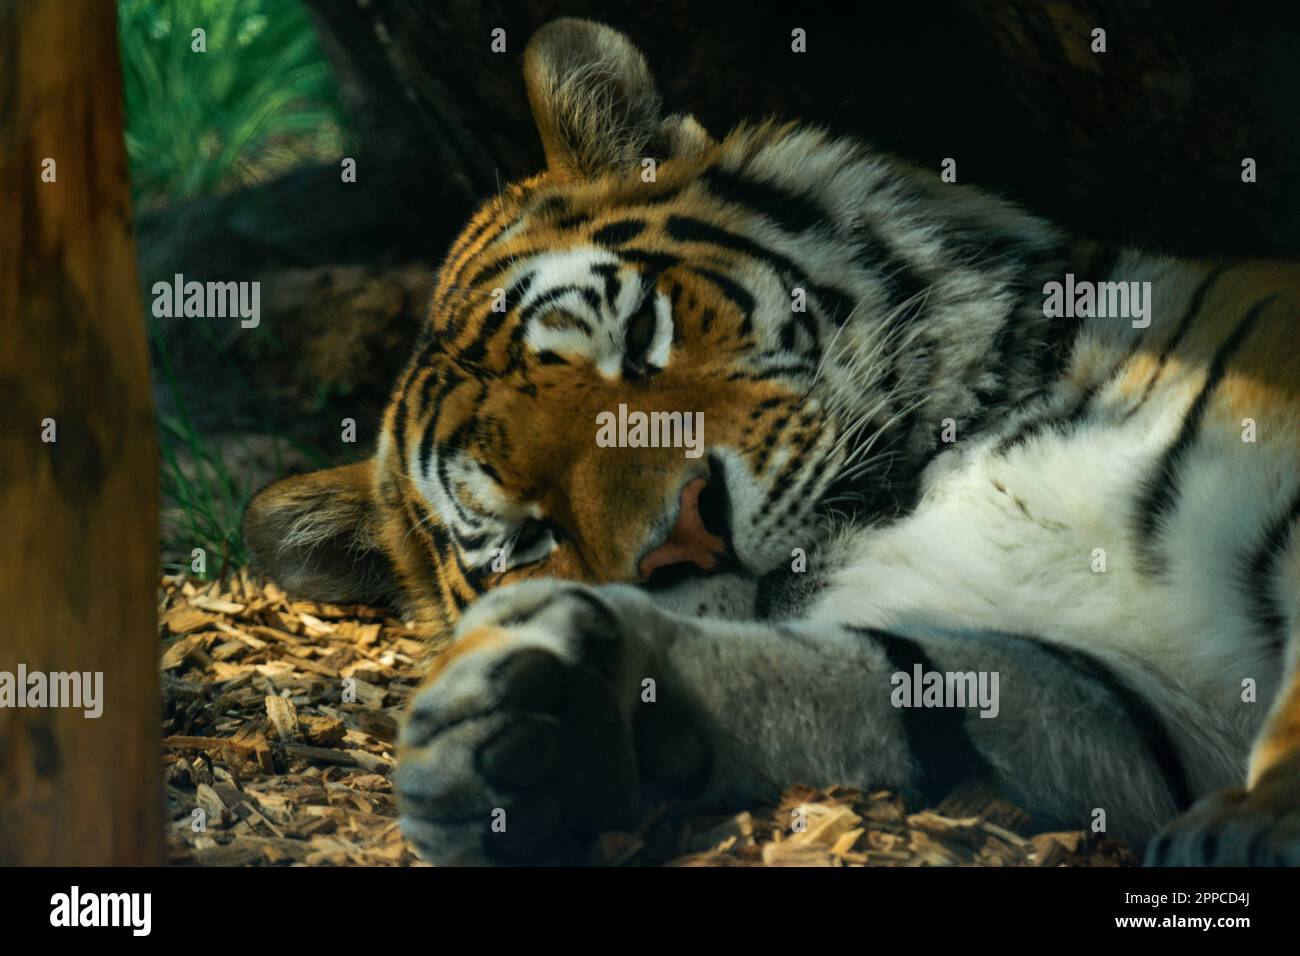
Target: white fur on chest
1042	540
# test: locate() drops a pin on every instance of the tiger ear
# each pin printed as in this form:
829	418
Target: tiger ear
317	535
595	102
682	135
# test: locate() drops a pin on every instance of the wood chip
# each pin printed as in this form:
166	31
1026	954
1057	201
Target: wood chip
315	626
184	619
212	805
182	651
787	853
238	634
323	731
216	605
827	824
739	830
846	842
204	743
284	718
275	634
371	695
229	650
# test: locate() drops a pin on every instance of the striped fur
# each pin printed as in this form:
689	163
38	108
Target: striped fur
587	287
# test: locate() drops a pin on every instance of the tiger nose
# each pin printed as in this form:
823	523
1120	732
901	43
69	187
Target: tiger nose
690	542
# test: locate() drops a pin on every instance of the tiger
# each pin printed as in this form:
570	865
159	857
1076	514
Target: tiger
910	467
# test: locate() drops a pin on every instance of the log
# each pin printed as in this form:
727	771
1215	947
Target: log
78	463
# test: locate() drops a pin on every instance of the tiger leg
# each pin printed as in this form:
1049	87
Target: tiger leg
1258	825
564	711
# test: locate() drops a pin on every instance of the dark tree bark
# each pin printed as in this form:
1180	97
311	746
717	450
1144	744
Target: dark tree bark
1145	142
80	513
1142	143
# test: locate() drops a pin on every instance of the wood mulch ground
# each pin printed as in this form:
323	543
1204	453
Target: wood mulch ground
279	723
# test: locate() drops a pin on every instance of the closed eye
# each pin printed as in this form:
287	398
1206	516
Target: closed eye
638	339
647	337
533	541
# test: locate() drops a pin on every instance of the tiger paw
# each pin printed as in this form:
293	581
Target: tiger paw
1255	827
531	736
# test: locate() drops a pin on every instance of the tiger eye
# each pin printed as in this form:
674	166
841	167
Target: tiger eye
530	535
640	333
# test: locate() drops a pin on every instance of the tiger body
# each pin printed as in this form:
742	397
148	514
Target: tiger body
1098	511
1123	518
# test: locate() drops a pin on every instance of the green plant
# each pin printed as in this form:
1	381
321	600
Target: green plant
206	497
203	500
260	98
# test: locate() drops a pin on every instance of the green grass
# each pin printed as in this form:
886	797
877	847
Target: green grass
201	488
261	97
204	492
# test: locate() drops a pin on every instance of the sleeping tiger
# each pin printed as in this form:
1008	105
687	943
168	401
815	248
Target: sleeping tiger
908	470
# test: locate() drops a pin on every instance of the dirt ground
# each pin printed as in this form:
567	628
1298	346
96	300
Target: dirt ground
279	723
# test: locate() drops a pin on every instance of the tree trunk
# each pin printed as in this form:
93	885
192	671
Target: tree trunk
78	463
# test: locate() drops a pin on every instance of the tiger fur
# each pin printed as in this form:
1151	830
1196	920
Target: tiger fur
1102	515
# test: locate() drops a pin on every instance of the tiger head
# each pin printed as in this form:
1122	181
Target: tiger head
665	356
